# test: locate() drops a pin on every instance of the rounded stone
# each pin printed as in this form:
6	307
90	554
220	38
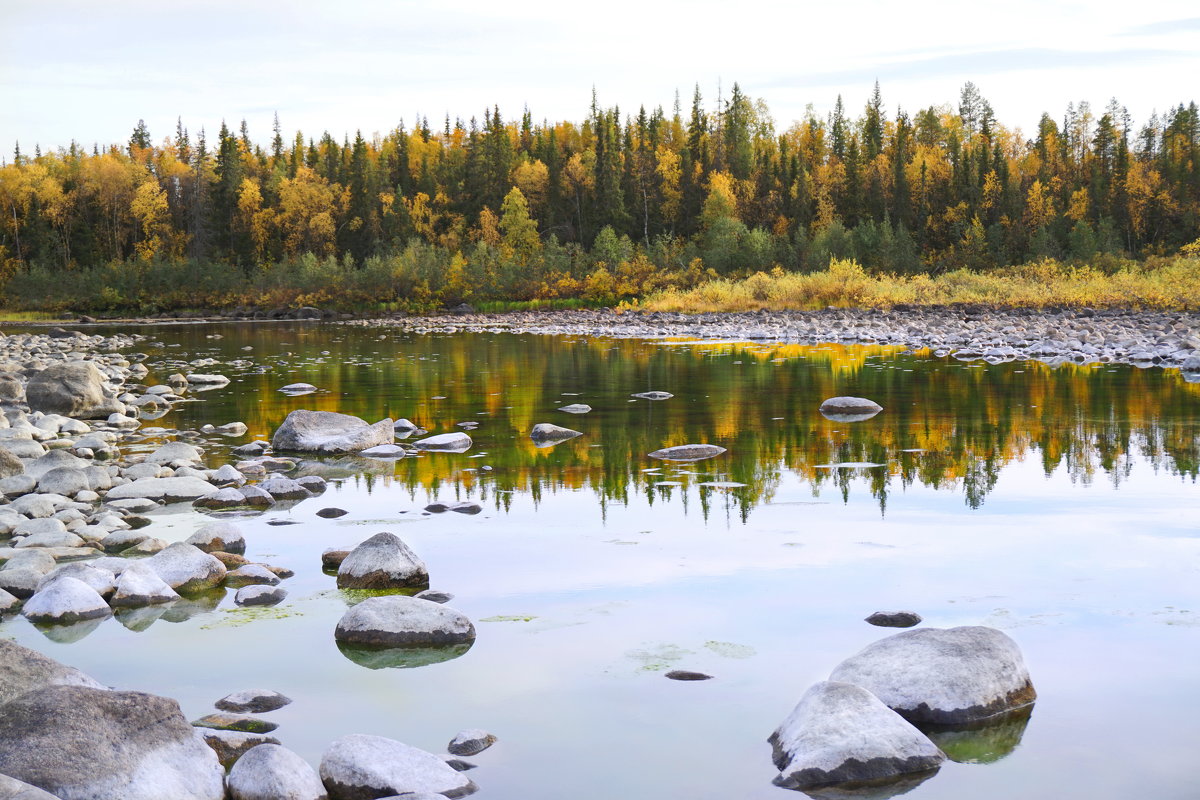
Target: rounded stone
399	621
382	562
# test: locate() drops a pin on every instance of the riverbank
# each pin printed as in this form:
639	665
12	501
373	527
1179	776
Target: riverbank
1142	338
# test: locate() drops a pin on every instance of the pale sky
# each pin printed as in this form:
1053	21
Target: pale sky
90	71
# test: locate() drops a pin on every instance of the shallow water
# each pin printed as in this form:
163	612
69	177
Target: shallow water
1058	505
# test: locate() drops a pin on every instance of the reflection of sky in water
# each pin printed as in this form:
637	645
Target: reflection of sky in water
595	583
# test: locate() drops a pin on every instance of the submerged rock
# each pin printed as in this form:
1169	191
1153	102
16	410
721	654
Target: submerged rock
943	675
576	408
840	732
329	432
232	745
362	766
687	675
688	452
235	722
78	742
382	562
260	595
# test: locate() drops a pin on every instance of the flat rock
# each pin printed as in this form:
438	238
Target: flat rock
204	379
545	434
385	451
186	568
168	490
74	389
894	619
260	595
944	676
470	742
688	452
434	596
251	575
297	388
382	562
687	675
849	409
232	745
399	621
253	701
176	453
330	432
64	601
840	732
272	772
222	536
576	408
362	766
82	743
445	442
235	722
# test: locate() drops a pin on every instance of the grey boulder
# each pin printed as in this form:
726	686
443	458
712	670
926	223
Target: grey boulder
253	701
168	490
470	742
186	568
382	562
23	670
221	536
10	465
943	675
840	732
849	409
65	600
139	585
82	743
75	389
399	621
545	434
272	772
445	442
330	432
361	766
232	745
688	452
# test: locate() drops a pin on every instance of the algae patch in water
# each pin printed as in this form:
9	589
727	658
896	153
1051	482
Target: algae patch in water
730	650
244	616
509	618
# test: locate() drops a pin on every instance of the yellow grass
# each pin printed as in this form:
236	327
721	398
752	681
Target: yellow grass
1173	284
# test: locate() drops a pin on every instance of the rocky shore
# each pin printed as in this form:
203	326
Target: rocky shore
1079	336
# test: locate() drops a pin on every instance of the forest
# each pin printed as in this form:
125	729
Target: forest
614	207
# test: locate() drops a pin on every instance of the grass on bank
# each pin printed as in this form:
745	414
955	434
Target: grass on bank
1170	284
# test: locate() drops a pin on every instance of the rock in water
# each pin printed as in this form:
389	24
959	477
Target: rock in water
260	595
839	732
653	395
361	766
23	670
894	619
399	621
688	452
271	772
943	675
470	742
81	743
445	442
849	409
382	562
186	568
218	536
140	585
544	434
576	408
232	745
169	490
253	701
329	432
75	389
65	600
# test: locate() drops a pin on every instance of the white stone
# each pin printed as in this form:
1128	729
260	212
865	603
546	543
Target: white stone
169	490
140	585
445	442
399	621
359	765
65	600
186	568
271	772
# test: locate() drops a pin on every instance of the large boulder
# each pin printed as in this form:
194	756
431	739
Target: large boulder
74	389
167	490
81	743
943	675
13	789
361	766
65	600
840	732
399	621
23	670
139	585
186	568
382	562
271	772
330	432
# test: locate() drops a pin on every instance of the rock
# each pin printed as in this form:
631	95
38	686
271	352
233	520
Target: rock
65	481
221	536
314	483
362	766
139	585
470	742
465	507
849	409
576	408
168	490
232	429
75	389
23	670
298	388
260	595
272	772
544	434
332	513
653	395
282	488
445	442
10	465
253	701
840	732
329	432
385	451
17	485
255	497
13	789
221	500
207	380
186	568
333	557
434	596
687	675
226	475
176	454
78	742
37	560
117	541
101	580
232	745
20	582
146	547
8	603
399	621
236	722
64	601
688	452
405	425
945	676
251	575
894	619
382	562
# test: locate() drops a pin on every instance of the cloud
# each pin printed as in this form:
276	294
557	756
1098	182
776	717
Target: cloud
1165	28
969	65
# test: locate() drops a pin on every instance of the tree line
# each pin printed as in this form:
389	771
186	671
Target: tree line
615	205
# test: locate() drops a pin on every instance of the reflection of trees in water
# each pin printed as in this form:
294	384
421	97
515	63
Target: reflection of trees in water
760	401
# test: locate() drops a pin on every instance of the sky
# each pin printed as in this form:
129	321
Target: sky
89	72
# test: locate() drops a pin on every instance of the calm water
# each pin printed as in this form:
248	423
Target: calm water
1059	505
